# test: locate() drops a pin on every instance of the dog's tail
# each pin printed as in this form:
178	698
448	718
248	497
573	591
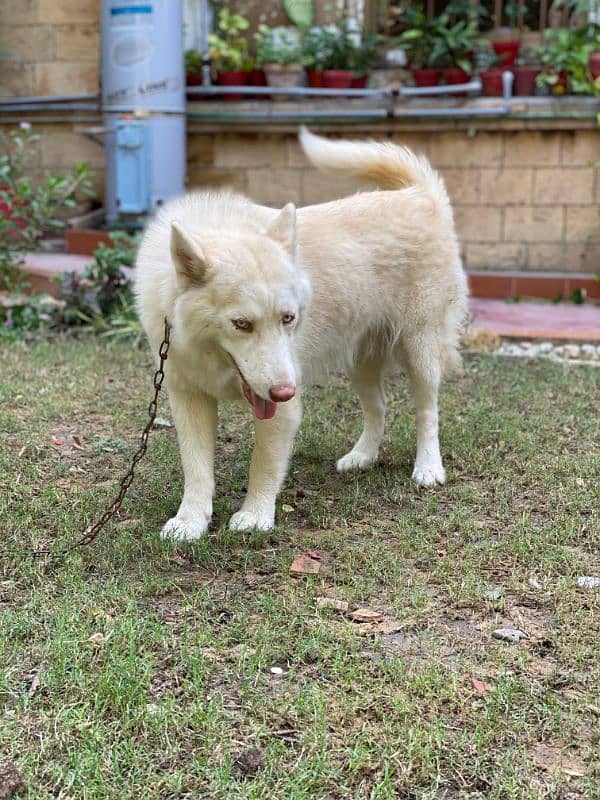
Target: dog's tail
382	164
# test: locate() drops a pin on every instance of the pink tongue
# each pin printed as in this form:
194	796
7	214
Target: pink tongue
263	409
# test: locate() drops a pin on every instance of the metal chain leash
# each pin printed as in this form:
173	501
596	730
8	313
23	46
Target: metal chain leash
93	530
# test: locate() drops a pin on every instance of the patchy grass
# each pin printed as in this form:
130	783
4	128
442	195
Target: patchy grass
142	670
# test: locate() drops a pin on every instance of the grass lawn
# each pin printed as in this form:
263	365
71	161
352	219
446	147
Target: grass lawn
143	670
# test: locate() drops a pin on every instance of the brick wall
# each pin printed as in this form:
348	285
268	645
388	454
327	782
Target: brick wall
523	199
49	47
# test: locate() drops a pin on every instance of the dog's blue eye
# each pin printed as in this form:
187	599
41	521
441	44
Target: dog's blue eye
241	324
287	319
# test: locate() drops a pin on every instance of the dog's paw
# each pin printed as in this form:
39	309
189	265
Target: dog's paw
183	529
428	475
251	520
355	459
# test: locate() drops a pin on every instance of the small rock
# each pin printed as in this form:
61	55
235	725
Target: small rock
588	582
332	602
514	350
248	762
276	670
545	347
494	592
559	351
365	615
287	509
509	634
572	351
162	422
534	583
11	780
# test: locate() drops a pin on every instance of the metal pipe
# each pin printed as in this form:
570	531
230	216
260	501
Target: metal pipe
43	99
250	116
301	91
52	107
454	88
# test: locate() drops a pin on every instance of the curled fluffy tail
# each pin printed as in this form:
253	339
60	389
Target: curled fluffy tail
383	164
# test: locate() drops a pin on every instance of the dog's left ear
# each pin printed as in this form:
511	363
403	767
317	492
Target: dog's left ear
283	228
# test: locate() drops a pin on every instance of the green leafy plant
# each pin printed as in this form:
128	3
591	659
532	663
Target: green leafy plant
229	49
31	208
301	12
279	45
317	44
193	62
454	42
103	290
364	55
568	51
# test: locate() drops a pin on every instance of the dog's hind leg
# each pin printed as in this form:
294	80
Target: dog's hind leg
273	443
422	356
195	417
367	381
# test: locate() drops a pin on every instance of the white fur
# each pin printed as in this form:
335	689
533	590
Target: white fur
373	280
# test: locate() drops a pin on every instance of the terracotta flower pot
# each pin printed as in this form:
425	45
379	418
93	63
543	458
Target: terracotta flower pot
524	85
283	76
594	64
359	82
426	77
455	75
337	78
491	82
315	78
507	51
232	78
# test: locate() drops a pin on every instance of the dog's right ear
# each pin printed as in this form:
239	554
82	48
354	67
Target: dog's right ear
188	258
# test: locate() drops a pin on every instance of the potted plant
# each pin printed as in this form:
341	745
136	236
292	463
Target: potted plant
316	49
490	73
279	53
455	43
337	73
565	57
526	70
193	68
506	40
363	58
417	43
229	51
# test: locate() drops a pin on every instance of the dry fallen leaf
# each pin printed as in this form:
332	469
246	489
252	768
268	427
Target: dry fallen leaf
303	564
58	442
365	615
22	451
286	508
77	442
481	687
97	638
332	602
314	554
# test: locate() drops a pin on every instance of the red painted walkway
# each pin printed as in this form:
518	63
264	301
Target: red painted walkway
541	320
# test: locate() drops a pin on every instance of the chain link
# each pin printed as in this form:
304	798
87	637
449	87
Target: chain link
93	530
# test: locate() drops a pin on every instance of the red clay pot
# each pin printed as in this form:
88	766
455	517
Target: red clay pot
257	77
426	77
507	51
491	82
524	85
594	64
359	82
194	79
337	78
315	78
232	78
455	75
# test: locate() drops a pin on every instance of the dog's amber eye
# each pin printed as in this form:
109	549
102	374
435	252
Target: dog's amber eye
287	319
242	324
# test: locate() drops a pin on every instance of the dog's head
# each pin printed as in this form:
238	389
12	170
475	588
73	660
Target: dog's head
245	293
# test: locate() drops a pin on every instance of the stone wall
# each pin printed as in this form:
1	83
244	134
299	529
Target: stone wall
523	199
49	47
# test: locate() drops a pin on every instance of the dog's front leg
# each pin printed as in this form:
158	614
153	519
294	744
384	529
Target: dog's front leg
274	439
195	416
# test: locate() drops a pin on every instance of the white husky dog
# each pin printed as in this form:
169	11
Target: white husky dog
261	301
